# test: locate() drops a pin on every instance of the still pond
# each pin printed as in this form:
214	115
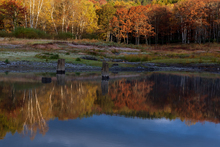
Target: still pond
146	110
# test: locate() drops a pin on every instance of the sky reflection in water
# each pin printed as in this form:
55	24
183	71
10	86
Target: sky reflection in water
105	130
108	131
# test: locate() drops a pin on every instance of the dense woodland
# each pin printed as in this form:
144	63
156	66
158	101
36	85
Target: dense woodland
137	21
128	21
26	107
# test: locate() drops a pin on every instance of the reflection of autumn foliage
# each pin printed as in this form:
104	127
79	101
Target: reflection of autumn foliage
9	111
197	108
193	99
9	125
72	101
27	107
131	94
30	109
188	107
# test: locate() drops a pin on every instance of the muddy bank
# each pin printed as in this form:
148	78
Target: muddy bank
28	66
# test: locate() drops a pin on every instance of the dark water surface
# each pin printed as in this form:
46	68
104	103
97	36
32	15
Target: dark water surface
152	109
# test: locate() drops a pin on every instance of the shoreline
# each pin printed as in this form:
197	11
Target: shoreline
32	66
34	55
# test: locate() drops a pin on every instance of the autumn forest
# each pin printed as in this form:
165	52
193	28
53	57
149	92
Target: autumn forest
124	21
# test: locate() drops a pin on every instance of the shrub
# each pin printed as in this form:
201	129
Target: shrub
64	36
30	33
56	56
90	36
7	61
78	59
47	56
6	34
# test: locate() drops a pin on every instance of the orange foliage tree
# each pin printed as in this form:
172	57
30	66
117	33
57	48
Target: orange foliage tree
13	10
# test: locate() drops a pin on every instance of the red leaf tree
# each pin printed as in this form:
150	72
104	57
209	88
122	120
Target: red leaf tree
13	10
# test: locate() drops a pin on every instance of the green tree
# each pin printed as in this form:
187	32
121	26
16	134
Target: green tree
105	14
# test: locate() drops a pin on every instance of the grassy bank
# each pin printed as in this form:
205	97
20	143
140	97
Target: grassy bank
47	50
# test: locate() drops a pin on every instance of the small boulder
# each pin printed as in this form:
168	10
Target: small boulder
89	58
117	60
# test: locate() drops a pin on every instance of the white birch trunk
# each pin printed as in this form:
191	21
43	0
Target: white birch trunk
40	4
55	27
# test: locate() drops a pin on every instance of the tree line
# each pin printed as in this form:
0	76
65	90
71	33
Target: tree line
137	21
187	21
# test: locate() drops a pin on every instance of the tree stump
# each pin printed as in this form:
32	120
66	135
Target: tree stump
61	66
105	70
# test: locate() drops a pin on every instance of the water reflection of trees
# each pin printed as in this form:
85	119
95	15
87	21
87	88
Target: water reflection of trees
27	109
190	98
32	108
131	94
32	114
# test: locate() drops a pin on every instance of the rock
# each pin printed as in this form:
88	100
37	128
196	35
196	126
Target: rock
46	80
89	58
2	63
115	64
150	69
117	60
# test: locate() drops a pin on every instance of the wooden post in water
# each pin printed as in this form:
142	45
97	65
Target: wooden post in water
61	66
104	86
105	70
61	79
61	72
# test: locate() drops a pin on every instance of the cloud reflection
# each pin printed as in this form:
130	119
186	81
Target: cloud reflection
107	131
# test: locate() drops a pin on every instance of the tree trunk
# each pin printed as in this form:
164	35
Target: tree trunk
217	23
72	31
127	37
108	36
38	12
146	42
53	20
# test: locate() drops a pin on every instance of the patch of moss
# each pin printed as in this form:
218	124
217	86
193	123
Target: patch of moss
47	56
77	73
7	61
78	59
